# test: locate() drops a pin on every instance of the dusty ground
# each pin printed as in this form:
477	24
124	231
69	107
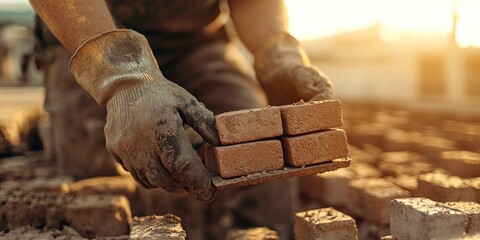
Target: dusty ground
391	144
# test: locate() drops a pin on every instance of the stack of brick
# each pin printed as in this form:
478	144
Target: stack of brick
271	138
421	218
325	223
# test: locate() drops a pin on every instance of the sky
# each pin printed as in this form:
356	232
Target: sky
320	18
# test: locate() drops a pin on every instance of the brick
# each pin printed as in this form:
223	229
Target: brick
445	188
262	233
315	148
472	211
20	111
249	125
246	158
311	116
331	188
421	218
365	170
40	209
118	185
29	232
406	182
388	237
99	215
371	198
461	163
432	147
157	227
325	223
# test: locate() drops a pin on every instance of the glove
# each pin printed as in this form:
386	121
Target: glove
145	113
284	71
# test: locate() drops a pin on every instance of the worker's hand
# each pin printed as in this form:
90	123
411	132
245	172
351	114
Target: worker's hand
284	71
144	129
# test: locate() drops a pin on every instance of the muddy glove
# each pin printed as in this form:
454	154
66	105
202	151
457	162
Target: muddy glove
285	73
145	113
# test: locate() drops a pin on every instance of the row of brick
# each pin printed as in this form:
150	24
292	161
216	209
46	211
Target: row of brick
270	138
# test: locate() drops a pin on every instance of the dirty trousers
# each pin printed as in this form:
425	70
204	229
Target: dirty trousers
218	74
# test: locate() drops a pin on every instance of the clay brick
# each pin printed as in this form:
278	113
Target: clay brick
421	218
371	198
99	215
406	182
246	158
249	125
157	227
315	148
29	232
252	234
388	237
444	188
331	188
325	223
472	211
311	116
41	209
365	170
461	163
118	185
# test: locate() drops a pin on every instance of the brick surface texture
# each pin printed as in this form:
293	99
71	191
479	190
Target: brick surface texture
315	147
246	158
249	125
311	116
325	223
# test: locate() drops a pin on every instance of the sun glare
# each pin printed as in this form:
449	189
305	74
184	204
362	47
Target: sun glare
319	18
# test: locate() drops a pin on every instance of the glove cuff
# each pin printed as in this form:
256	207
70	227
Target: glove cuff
112	62
279	52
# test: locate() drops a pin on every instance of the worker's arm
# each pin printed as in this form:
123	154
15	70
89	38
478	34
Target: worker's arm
281	64
74	21
145	111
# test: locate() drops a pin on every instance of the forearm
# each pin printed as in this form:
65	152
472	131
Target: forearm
258	20
74	21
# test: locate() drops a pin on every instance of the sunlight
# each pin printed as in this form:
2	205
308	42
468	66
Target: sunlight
320	18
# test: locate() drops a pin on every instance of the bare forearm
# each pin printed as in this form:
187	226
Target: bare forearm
257	20
74	21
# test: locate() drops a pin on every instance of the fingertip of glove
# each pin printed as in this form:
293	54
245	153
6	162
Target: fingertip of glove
206	194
